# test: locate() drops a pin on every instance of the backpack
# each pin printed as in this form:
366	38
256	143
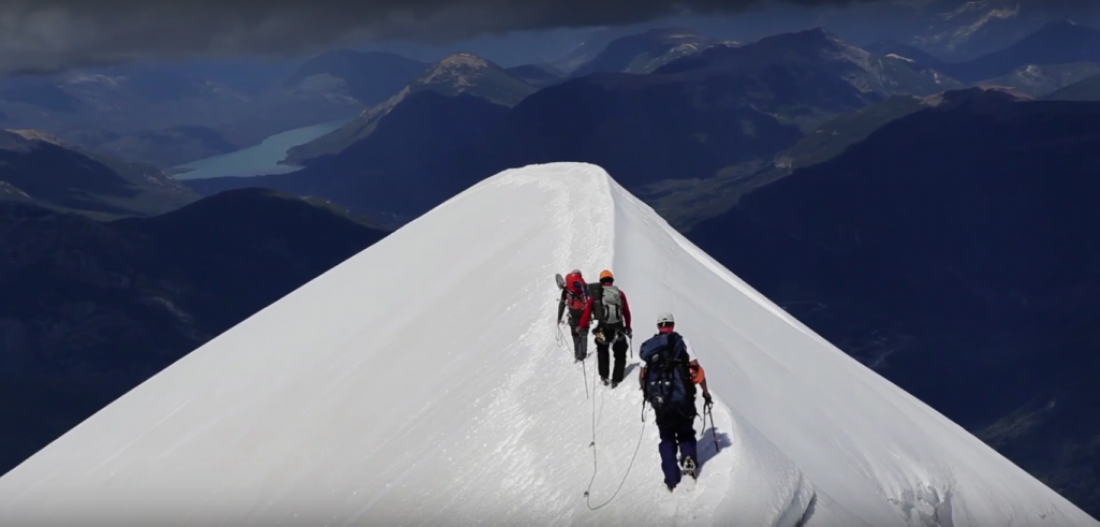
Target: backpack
611	303
595	292
668	386
576	292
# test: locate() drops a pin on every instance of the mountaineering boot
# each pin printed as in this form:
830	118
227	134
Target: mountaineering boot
613	385
689	468
670	486
604	381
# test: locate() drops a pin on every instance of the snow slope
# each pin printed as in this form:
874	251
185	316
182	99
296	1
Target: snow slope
421	383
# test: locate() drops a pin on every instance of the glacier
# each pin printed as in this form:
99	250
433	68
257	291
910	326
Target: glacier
423	382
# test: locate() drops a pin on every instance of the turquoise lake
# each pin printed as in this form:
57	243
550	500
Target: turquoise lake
260	159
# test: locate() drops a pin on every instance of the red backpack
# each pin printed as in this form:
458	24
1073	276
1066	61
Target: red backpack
576	291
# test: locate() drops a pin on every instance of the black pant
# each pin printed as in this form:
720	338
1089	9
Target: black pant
580	341
616	341
677	433
580	337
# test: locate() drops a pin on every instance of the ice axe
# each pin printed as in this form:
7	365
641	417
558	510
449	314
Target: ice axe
713	429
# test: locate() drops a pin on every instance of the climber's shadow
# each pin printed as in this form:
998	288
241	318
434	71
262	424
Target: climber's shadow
705	448
629	368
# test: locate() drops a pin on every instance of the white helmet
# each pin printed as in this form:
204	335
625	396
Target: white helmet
665	318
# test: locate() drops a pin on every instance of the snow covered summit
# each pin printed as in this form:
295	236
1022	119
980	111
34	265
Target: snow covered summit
421	383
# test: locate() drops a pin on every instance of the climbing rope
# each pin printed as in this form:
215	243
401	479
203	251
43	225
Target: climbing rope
584	370
595	456
560	339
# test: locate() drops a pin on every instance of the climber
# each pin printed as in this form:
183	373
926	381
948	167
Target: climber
668	382
609	308
574	296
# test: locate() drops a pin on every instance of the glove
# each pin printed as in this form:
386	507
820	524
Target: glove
706	397
629	333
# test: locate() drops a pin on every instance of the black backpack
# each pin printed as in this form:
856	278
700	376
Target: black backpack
667	385
595	292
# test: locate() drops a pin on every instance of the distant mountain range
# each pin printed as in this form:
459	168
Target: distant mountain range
537	75
1085	90
89	310
369	78
964	30
40	168
167	115
673	123
458	74
667	131
1040	81
952	30
467	73
587	49
424	152
1043	62
1061	42
952	250
645	52
1056	55
686	203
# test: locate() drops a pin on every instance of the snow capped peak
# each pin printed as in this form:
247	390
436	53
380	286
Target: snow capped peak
334	406
899	57
462	60
45	137
459	71
38	135
967	20
9	190
466	73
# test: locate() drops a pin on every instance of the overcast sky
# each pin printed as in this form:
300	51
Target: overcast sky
51	35
59	34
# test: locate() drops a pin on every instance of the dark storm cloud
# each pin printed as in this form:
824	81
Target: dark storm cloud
47	35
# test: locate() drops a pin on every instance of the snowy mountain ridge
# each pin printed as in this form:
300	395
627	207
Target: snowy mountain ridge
421	382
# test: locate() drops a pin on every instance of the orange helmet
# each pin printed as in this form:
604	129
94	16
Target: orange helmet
606	275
